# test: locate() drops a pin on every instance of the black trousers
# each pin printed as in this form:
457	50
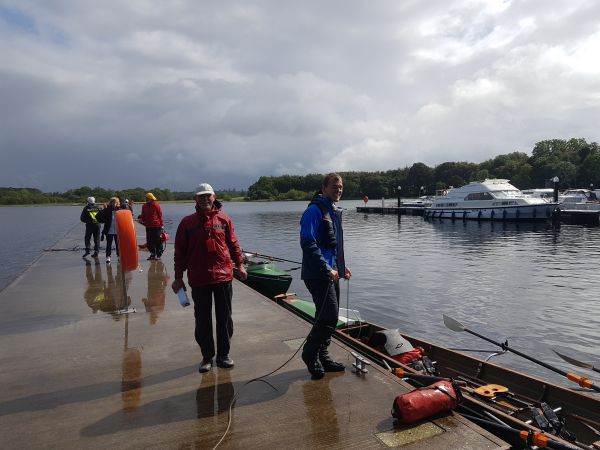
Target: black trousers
325	295
203	299
153	240
92	229
109	241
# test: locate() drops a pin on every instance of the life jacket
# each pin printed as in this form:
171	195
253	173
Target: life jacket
413	355
327	237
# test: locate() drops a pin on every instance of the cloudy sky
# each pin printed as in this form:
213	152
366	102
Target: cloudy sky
171	93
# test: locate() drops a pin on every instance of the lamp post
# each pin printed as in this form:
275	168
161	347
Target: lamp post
555	180
422	191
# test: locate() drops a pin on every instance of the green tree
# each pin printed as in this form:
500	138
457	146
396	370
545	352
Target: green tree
419	175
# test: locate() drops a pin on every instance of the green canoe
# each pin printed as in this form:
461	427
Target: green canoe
268	279
307	310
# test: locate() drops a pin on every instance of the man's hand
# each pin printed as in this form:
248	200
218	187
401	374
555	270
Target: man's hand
348	274
178	284
242	274
334	275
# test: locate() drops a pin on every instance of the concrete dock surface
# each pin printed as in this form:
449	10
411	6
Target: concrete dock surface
76	374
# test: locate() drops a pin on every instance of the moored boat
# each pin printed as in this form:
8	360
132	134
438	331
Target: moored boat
491	199
266	278
421	202
579	199
522	401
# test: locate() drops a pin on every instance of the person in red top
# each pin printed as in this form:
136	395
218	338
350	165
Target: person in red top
152	218
207	247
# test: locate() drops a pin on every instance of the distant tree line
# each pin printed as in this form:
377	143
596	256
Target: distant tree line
31	196
575	162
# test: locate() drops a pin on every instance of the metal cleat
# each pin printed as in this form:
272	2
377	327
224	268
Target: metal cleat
360	364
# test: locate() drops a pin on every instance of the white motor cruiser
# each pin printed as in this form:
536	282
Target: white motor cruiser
579	200
492	199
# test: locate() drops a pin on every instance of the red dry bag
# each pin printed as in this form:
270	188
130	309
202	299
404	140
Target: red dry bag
426	402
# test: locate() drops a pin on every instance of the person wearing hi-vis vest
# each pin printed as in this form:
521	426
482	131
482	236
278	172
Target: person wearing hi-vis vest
92	226
322	242
207	247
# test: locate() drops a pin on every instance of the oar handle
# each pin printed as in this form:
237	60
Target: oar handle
537	438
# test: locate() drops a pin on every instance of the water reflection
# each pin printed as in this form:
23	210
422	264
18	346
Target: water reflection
106	296
131	377
214	394
320	409
158	280
109	297
94	292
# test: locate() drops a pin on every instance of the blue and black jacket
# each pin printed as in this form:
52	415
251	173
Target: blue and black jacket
321	239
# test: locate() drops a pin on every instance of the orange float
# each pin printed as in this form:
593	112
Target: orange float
126	235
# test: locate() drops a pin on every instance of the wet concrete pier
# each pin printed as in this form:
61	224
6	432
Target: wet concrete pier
77	374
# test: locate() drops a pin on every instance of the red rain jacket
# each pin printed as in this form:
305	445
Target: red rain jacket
206	267
152	215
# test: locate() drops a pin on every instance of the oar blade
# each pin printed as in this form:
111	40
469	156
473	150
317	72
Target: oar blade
574	361
453	324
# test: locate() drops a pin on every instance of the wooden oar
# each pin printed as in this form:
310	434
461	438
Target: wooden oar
576	362
271	258
455	325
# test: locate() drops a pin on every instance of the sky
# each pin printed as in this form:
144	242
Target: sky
172	93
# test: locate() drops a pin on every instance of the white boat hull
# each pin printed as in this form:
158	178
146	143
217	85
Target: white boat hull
516	213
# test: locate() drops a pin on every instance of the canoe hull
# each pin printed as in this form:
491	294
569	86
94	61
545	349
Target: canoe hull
268	280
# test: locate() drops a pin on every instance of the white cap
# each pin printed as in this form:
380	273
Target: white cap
91	200
204	188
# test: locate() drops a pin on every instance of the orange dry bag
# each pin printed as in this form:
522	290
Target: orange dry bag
426	402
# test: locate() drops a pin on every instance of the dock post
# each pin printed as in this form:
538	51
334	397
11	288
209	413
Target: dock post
398	191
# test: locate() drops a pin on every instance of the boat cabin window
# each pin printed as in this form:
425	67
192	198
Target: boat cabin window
479	196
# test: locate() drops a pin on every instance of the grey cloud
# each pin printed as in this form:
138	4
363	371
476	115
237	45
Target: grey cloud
167	94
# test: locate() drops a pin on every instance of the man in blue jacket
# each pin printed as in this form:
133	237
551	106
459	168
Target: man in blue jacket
322	242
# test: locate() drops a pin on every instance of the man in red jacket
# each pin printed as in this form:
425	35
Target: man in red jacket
206	246
152	218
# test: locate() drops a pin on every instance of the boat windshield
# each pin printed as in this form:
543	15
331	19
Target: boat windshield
479	196
508	194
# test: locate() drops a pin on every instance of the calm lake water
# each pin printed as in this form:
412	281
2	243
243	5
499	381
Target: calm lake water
533	284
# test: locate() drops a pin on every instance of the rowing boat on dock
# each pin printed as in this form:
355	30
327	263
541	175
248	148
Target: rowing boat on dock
503	395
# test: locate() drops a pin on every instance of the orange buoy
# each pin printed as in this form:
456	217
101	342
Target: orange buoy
126	235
